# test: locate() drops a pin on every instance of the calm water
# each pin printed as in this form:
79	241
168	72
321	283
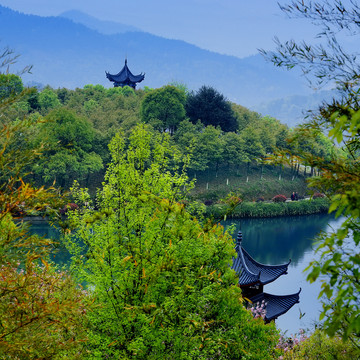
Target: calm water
272	241
275	241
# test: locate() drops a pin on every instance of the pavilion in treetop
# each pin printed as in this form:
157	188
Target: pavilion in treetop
125	77
252	278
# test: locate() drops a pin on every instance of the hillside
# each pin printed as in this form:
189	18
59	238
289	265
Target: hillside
68	54
103	27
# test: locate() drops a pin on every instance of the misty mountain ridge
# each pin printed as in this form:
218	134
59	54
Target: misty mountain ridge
65	53
102	26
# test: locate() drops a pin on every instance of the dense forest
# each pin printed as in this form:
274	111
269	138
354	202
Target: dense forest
223	140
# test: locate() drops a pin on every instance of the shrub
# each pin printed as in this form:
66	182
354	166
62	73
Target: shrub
271	209
321	347
279	198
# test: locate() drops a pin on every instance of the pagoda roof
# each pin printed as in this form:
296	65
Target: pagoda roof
125	76
276	305
252	272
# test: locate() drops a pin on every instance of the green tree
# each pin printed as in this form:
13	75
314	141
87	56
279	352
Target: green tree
251	138
234	153
244	116
48	100
339	265
164	108
162	280
71	155
41	309
209	147
10	84
211	108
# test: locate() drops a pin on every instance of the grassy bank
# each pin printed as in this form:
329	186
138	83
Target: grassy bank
270	209
266	182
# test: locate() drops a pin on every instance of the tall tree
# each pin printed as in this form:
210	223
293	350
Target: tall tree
164	108
10	84
71	155
41	309
211	108
48	100
163	281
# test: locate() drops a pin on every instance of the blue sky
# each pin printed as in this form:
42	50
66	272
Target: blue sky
233	27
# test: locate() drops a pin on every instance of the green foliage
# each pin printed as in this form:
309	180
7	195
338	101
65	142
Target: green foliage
70	156
270	209
319	346
339	255
90	106
48	100
327	62
41	309
109	110
244	116
10	85
164	108
162	280
339	266
181	86
211	108
251	138
128	91
235	151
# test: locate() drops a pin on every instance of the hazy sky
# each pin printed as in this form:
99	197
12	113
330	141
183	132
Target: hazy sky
234	27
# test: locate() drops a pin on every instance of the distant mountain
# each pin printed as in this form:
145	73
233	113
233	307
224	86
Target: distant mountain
103	27
293	109
67	54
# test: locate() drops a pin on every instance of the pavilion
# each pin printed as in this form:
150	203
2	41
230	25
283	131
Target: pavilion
252	278
125	77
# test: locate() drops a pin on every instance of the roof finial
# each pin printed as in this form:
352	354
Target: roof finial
238	241
239	238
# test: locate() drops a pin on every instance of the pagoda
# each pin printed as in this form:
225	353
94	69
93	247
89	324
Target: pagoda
125	77
252	278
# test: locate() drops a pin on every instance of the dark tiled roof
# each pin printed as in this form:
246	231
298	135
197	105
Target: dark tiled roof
276	305
252	272
125	76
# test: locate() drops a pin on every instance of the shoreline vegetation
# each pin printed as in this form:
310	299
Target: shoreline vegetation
249	209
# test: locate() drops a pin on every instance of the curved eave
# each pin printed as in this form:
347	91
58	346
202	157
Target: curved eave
246	276
276	305
268	273
125	75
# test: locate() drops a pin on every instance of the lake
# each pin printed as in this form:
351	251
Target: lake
272	241
276	240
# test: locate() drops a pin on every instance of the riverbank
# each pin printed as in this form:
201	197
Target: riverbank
248	209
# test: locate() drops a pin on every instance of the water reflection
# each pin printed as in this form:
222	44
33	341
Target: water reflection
60	254
276	240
